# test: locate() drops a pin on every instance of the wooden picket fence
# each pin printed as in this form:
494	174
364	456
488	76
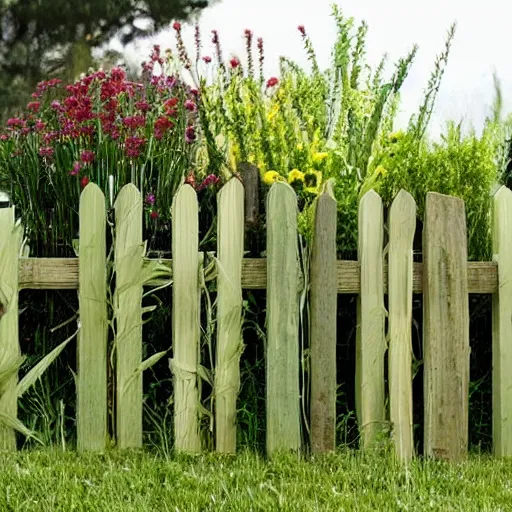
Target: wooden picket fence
445	278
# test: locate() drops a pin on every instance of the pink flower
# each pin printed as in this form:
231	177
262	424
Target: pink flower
87	156
150	198
55	104
4	137
15	122
207	59
176	26
211	179
34	106
46	151
40	125
272	82
234	62
190	105
76	169
84	181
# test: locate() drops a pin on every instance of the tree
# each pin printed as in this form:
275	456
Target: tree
43	38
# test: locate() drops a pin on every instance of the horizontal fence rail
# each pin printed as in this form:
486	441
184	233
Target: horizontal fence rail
62	274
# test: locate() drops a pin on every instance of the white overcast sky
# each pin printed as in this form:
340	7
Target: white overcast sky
481	45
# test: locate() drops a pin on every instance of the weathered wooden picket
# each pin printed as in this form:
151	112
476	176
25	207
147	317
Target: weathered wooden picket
445	278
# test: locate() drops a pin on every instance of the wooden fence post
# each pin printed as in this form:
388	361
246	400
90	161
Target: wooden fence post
446	328
185	318
324	295
402	226
283	394
502	325
92	337
230	251
10	243
371	341
128	313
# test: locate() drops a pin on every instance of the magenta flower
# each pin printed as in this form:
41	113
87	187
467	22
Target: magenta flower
87	156
190	134
15	122
302	30
76	169
150	198
190	105
34	106
207	59
272	82
234	62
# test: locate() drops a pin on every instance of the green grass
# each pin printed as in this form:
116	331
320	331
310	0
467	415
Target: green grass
51	481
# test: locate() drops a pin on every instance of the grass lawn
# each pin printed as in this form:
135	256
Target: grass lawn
64	481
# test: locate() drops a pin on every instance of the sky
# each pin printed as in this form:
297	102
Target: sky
480	47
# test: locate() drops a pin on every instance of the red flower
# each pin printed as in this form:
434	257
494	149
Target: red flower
84	182
40	125
133	146
215	37
143	105
272	82
154	215
162	124
34	106
248	33
118	75
46	151
234	62
207	59
176	26
170	104
134	122
190	134
302	30
87	156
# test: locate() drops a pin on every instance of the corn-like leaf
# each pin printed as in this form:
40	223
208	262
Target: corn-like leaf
147	363
9	371
36	373
16	424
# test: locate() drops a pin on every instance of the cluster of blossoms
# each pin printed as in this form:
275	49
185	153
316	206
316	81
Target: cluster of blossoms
75	128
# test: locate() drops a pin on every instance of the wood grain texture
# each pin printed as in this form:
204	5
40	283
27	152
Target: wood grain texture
370	339
10	242
62	274
402	226
128	314
282	356
502	326
446	328
185	319
92	338
323	298
230	250
251	179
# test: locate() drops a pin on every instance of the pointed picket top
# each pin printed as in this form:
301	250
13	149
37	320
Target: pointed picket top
92	338
186	318
230	251
402	227
502	327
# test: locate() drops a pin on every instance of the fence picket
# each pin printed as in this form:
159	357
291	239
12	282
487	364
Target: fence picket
370	342
10	242
128	313
185	318
230	251
445	328
324	295
283	405
92	337
502	325
402	226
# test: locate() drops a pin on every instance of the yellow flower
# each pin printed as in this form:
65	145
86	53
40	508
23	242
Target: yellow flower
300	146
380	171
270	177
312	181
295	176
319	157
273	112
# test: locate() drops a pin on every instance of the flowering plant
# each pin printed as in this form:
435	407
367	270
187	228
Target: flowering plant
105	125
